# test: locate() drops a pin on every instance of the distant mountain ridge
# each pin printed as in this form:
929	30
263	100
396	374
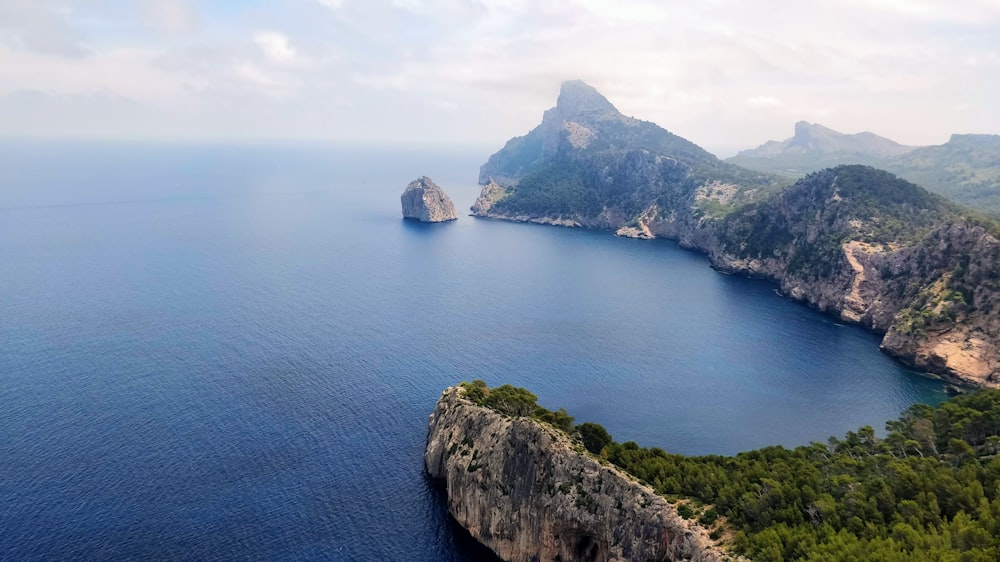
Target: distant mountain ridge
813	138
966	169
852	240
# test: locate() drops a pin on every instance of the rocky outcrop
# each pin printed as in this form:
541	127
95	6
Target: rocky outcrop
425	201
522	489
947	289
491	194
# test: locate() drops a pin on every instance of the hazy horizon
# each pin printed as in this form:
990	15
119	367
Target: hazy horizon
723	74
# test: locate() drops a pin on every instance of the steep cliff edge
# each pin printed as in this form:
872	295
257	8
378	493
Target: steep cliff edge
519	487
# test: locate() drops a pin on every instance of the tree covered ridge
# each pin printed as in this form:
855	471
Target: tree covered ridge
811	219
928	490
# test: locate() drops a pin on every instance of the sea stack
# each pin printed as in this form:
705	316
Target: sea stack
425	201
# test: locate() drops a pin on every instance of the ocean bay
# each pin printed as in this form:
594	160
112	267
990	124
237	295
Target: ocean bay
219	352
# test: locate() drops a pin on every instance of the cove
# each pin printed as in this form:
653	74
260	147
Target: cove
231	351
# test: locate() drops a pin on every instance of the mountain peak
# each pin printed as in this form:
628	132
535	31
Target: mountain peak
804	131
802	127
577	97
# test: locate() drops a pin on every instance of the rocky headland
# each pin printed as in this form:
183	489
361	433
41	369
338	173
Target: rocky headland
853	241
529	493
425	201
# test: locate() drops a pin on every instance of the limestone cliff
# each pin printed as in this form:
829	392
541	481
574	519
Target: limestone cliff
425	201
491	194
947	290
519	487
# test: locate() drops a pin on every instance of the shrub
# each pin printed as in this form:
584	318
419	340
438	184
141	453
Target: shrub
476	390
511	400
594	436
559	419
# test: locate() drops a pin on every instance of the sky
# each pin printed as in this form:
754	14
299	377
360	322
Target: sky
726	74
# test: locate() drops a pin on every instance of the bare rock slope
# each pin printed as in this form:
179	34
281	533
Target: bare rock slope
519	487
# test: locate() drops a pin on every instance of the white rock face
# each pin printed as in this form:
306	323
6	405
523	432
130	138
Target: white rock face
492	193
519	488
425	201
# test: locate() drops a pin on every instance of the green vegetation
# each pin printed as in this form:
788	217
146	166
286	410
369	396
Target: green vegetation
595	438
515	401
807	224
928	490
627	166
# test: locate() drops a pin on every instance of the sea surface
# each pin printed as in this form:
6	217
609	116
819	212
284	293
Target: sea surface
230	352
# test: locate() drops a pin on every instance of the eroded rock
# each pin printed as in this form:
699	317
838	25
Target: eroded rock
520	488
425	201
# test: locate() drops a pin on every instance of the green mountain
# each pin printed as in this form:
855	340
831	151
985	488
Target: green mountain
966	169
854	241
589	165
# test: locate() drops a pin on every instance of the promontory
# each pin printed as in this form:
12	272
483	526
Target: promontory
854	241
532	484
525	489
425	201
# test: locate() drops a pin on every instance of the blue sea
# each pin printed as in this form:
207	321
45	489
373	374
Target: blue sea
230	352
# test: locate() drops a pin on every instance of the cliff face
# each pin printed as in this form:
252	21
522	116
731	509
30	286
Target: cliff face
491	194
947	289
425	201
853	241
872	249
520	488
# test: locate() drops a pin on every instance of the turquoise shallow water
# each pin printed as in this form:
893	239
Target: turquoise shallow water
231	352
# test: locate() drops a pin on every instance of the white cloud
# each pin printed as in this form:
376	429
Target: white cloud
332	4
42	26
275	46
484	70
174	16
763	101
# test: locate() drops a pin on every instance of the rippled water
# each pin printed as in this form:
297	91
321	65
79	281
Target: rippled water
231	352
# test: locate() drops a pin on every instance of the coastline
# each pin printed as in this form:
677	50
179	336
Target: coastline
908	360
